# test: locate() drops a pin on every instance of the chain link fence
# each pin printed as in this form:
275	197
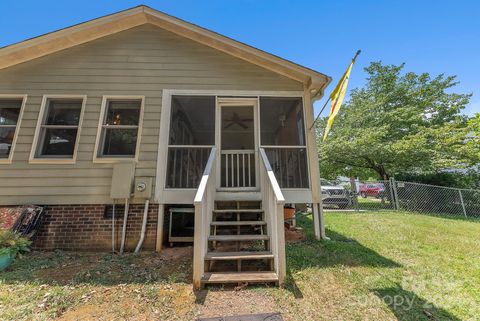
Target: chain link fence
358	195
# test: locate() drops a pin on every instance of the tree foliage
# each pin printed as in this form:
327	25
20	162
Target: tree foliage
400	122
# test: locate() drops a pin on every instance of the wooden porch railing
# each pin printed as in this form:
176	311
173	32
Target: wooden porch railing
273	203
185	166
204	203
238	168
289	165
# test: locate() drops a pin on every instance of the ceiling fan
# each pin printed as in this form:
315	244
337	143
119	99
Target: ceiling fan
236	120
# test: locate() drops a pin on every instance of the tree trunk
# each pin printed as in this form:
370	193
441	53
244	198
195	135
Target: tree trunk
382	173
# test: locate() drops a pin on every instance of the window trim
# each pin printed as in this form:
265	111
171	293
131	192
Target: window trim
9	159
105	99
41	117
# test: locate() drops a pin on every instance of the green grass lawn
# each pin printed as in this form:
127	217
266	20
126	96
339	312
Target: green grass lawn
388	266
377	266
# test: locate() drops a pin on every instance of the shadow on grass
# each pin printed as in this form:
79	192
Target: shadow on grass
407	306
291	285
340	250
200	296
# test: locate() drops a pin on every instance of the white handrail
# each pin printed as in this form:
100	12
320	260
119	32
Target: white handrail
273	202
271	176
204	203
206	175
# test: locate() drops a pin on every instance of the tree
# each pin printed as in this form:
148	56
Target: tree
399	122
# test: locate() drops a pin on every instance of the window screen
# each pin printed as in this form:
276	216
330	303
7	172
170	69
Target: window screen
192	135
192	120
282	121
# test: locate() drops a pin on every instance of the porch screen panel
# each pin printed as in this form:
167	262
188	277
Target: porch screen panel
282	135
289	166
191	137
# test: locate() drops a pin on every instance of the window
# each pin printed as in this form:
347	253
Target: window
10	113
282	135
58	129
119	128
191	137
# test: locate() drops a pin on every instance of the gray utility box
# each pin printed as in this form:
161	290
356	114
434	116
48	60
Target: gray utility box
122	179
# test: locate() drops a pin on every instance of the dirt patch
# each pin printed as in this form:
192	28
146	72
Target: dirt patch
89	311
65	272
135	302
62	275
294	235
221	302
167	257
176	253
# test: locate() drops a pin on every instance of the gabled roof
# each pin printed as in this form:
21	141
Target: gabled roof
130	18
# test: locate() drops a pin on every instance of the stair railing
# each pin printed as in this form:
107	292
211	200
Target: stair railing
204	203
273	203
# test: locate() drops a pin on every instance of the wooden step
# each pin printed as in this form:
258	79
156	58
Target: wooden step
244	255
240	196
242	210
237	223
236	277
238	237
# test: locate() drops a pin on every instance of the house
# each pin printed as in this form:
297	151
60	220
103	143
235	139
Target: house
123	124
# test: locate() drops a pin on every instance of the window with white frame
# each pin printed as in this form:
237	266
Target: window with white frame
119	128
59	128
10	111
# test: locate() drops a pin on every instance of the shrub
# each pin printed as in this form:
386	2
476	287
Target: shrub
13	243
469	179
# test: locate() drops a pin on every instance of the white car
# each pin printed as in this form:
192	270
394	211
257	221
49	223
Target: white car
333	194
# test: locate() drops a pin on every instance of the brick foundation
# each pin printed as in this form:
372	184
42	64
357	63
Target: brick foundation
84	228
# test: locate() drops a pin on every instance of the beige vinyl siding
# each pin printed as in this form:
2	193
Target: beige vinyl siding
139	61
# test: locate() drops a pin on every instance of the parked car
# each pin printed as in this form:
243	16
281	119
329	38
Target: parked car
334	194
375	189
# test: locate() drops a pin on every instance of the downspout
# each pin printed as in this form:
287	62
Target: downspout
124	229
144	227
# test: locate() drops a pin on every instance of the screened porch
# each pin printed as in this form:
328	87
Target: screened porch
238	127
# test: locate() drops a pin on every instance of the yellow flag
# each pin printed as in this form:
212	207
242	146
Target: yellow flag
337	97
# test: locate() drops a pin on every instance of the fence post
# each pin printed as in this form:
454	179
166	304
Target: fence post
395	194
392	198
353	184
463	204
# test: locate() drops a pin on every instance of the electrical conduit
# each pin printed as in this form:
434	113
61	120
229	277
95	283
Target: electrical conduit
144	227
124	229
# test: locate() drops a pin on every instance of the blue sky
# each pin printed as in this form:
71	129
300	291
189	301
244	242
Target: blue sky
429	36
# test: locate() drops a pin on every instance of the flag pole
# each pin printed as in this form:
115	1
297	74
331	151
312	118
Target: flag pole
318	116
325	105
